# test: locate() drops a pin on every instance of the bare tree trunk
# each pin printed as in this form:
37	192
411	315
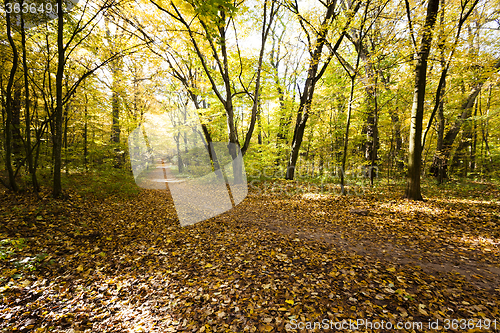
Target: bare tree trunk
27	115
417	112
180	164
57	189
8	108
65	136
259	126
373	155
85	135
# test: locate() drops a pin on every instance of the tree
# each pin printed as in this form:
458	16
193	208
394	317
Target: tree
417	110
8	106
78	33
27	115
315	45
211	32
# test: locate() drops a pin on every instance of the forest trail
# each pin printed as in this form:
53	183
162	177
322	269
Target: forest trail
126	265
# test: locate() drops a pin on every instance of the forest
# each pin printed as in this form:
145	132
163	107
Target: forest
359	142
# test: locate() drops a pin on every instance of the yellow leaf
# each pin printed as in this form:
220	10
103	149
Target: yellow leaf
289	301
25	283
391	269
208	265
421	310
333	274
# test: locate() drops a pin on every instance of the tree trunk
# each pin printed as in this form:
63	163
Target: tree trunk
57	189
307	94
17	141
27	116
485	131
85	135
8	108
373	156
346	138
259	126
65	136
180	164
417	111
474	140
115	113
437	172
397	151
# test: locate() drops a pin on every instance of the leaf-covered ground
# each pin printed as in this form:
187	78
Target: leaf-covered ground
275	263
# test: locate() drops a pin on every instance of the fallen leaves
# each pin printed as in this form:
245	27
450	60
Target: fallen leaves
128	266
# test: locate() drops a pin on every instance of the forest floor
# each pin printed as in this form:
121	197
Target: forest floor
279	261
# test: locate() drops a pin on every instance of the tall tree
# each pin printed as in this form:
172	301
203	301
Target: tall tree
9	104
417	110
61	60
27	115
67	43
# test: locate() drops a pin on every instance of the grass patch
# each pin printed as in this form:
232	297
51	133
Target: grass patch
102	184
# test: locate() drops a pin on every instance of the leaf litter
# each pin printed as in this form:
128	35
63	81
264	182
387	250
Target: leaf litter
126	265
